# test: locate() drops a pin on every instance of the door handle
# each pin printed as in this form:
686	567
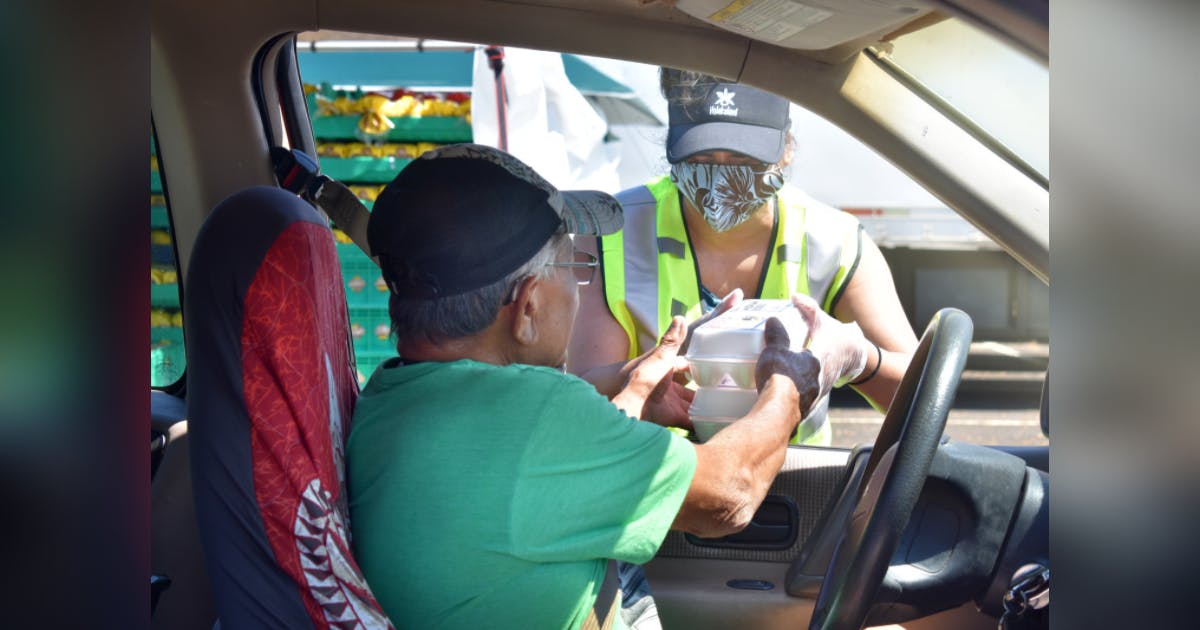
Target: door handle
774	526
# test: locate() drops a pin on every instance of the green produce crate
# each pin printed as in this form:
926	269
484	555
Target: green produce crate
162	255
164	295
167	360
159	219
370	328
444	129
166	336
368	361
155	183
363	170
361	278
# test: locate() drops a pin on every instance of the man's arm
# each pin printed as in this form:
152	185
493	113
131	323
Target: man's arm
736	467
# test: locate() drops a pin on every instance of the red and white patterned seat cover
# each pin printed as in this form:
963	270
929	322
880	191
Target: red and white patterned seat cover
271	390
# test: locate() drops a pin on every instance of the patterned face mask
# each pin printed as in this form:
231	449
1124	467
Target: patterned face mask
726	194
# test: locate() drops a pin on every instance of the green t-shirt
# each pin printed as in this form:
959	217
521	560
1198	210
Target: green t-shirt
486	496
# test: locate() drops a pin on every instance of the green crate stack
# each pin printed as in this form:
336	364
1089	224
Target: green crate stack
366	293
167	357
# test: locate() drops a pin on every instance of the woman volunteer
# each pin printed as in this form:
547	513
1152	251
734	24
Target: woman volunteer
724	223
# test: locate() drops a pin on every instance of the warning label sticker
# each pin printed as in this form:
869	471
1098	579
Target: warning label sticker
770	20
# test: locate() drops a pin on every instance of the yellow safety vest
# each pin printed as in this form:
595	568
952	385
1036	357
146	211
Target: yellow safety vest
650	272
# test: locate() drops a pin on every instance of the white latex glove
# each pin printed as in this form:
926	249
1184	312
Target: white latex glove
841	348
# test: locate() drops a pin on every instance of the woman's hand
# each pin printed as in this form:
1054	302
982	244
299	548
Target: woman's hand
841	348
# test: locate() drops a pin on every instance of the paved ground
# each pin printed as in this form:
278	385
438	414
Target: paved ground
997	401
978	426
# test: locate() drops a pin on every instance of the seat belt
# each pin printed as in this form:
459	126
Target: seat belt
345	209
300	173
608	602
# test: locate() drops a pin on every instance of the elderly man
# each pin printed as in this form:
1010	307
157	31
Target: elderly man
487	487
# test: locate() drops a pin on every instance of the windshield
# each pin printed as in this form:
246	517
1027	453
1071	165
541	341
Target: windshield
999	89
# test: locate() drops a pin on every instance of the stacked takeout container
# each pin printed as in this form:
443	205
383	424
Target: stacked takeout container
723	354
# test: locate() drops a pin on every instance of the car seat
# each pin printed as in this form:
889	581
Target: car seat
271	388
180	596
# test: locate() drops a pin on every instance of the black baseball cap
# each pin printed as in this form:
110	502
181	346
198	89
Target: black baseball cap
463	216
726	117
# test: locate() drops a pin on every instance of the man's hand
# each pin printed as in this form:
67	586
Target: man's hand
727	302
650	392
802	367
841	348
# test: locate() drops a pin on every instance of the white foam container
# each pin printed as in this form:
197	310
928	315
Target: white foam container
738	332
724	351
714	408
723	372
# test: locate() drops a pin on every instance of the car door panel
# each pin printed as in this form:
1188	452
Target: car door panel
700	583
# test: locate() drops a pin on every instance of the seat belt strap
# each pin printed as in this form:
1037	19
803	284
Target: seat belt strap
608	602
300	173
346	211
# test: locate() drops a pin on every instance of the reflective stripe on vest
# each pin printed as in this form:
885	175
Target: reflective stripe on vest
650	276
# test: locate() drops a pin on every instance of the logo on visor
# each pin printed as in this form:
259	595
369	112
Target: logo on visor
724	105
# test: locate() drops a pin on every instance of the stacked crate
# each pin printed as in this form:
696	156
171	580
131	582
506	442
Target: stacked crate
364	140
166	321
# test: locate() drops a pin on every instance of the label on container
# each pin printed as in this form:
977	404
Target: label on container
752	314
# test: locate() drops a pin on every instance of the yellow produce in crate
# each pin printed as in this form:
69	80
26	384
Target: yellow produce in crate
326	107
366	193
375	124
359	149
402	106
159	317
159	275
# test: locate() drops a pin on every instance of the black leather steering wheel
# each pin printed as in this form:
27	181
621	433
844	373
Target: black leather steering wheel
895	473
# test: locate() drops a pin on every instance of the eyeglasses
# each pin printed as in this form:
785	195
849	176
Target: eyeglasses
584	265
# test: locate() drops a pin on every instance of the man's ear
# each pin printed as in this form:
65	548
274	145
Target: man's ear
525	311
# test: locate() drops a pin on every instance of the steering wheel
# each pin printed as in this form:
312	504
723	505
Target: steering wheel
895	473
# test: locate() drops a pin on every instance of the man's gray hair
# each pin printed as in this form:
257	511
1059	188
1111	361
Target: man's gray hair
468	313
